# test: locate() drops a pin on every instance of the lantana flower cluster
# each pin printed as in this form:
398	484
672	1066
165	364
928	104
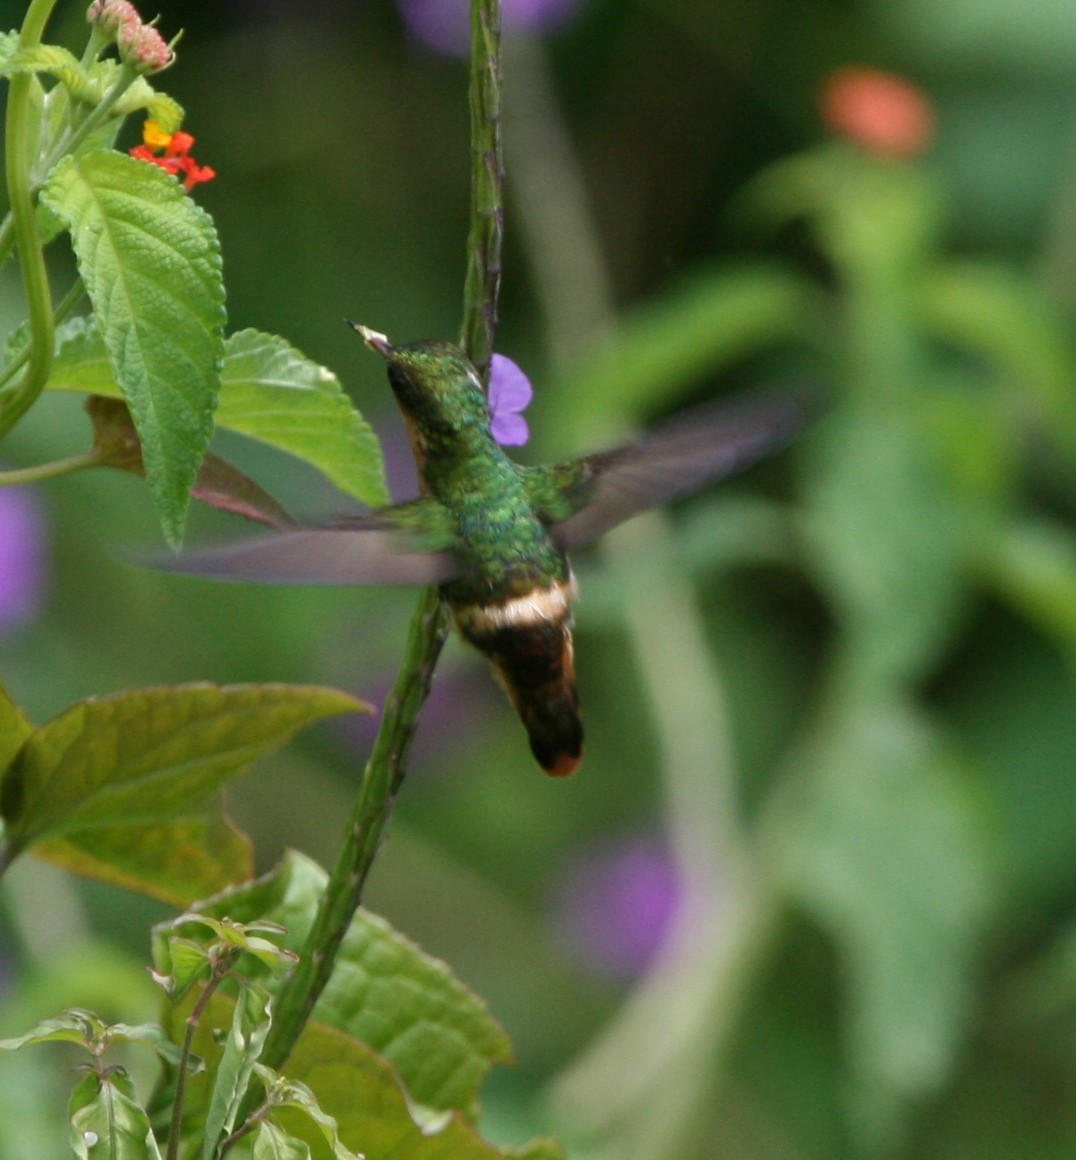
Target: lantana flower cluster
172	152
139	43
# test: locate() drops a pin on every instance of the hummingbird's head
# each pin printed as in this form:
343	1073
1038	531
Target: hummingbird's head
435	384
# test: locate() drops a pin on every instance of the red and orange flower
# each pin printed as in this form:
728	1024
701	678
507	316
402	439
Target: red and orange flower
172	152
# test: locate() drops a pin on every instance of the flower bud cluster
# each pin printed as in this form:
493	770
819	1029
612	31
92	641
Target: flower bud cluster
140	44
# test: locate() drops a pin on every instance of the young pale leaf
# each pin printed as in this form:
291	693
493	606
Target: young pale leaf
149	756
385	991
294	1105
246	1036
14	728
271	392
71	1027
150	261
176	862
107	1122
268	1142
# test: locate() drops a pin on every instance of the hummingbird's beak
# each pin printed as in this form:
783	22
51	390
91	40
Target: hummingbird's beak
378	343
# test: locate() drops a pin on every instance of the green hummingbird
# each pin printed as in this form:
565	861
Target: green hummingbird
495	535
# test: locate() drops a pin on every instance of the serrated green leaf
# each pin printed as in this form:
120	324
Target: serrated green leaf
46	58
14	728
150	261
273	393
246	1037
883	843
269	391
176	862
9	42
360	1091
714	318
162	108
107	1122
149	756
385	991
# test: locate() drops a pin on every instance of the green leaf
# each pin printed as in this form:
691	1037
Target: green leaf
150	260
887	540
46	58
294	1105
268	1142
107	1122
359	1090
1033	564
991	311
271	392
149	756
883	842
385	991
246	1037
709	321
14	728
9	43
71	1027
176	862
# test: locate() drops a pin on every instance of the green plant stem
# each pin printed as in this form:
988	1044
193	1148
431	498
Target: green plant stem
220	973
483	280
385	770
52	470
377	793
21	143
66	304
97	116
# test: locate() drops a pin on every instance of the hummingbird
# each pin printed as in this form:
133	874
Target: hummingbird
495	535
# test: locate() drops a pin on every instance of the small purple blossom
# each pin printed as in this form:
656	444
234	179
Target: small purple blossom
22	556
616	905
510	392
443	25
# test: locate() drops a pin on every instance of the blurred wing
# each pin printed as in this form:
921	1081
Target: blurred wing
364	550
697	447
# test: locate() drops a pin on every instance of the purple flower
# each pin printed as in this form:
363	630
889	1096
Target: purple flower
443	25
616	905
22	556
510	392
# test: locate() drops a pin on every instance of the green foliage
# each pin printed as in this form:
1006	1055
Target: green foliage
385	992
874	957
269	392
150	261
117	786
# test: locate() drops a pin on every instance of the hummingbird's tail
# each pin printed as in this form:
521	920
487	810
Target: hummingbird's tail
551	719
533	658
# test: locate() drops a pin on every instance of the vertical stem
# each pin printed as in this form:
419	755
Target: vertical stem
385	770
483	281
381	781
21	132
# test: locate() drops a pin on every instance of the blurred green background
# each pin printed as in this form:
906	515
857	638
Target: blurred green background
812	894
